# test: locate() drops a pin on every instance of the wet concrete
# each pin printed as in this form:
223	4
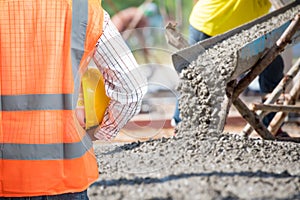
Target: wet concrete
200	163
199	166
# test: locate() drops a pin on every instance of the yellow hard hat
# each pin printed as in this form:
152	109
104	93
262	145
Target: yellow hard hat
95	99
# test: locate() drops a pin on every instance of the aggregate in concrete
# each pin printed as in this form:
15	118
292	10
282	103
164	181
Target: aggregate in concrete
199	166
200	163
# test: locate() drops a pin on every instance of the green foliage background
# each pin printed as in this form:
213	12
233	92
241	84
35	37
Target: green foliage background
111	6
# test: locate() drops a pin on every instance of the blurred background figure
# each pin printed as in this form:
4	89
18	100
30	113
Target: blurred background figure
130	16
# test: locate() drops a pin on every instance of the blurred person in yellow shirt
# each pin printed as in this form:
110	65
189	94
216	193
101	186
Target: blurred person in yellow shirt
214	17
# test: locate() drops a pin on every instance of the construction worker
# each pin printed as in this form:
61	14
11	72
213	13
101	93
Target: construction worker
45	47
213	17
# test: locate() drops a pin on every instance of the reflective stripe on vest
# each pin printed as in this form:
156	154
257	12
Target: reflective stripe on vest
46	151
36	102
79	23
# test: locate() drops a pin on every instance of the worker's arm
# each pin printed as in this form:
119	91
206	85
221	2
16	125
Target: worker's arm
124	83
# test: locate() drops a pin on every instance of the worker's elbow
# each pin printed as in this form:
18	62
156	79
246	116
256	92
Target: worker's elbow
137	94
136	88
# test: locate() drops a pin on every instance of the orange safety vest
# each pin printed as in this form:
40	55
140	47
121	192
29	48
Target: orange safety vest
43	47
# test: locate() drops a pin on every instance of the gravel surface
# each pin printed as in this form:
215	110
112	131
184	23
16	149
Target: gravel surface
200	163
199	166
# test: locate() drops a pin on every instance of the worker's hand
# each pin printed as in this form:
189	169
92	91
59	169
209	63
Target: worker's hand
80	111
80	115
91	132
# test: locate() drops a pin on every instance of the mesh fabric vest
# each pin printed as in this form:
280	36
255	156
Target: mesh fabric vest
43	47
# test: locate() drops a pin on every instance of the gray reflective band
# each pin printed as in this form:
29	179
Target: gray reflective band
36	102
78	35
61	151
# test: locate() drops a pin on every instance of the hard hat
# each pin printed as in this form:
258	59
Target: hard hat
95	99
